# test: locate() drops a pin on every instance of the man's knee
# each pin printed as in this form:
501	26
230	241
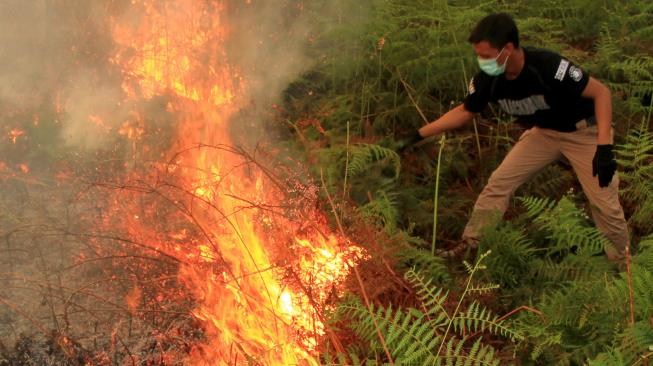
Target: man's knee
500	185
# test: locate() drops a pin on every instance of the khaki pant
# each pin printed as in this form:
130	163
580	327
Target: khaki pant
536	148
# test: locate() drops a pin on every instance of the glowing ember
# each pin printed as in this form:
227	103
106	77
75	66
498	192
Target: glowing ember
258	293
15	133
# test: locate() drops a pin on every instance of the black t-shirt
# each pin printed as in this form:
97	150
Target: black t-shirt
547	92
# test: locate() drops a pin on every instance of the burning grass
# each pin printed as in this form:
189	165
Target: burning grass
162	272
175	245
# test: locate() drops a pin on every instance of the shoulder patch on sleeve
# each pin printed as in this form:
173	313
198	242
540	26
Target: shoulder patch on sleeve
575	73
470	88
562	69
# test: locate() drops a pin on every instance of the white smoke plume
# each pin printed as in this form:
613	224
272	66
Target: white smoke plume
268	42
53	57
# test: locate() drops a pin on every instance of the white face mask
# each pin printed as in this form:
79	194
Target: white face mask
491	66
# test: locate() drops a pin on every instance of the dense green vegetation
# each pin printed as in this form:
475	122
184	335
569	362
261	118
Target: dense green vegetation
543	294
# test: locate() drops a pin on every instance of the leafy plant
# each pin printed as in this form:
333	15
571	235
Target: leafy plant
433	335
635	156
566	226
402	63
362	156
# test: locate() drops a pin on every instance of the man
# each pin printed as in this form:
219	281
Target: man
572	117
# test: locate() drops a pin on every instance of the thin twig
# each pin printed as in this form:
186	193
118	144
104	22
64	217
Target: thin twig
410	95
630	285
358	276
521	308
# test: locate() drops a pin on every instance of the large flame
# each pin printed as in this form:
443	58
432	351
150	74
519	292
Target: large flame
254	306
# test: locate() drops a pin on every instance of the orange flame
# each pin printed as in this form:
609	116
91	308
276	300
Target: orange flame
256	305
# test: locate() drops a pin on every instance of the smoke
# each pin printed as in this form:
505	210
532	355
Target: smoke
93	112
55	54
27	65
268	43
54	62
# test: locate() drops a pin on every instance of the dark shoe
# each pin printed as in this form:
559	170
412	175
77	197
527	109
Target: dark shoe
458	249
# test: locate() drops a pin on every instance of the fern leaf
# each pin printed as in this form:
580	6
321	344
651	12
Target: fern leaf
483	289
362	156
408	334
535	206
428	264
432	297
479	318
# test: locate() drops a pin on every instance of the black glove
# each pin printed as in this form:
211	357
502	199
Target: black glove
604	164
409	141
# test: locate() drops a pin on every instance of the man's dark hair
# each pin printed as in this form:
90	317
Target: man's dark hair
497	29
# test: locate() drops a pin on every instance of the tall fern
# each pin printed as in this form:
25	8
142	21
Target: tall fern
512	255
567	227
363	156
588	320
635	156
423	337
382	210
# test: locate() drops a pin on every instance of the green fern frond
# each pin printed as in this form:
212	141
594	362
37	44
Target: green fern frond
535	205
432	297
479	318
453	350
636	340
642	216
478	355
544	343
644	257
512	254
635	155
382	210
483	288
566	225
362	156
642	288
484	355
609	358
413	337
468	267
429	265
410	336
571	268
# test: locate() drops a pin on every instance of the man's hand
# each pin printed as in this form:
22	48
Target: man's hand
409	141
604	164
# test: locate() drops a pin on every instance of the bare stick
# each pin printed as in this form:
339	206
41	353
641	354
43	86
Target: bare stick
630	285
358	276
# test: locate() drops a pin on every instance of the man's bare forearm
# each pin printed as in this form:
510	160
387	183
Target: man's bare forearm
602	109
453	119
603	112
